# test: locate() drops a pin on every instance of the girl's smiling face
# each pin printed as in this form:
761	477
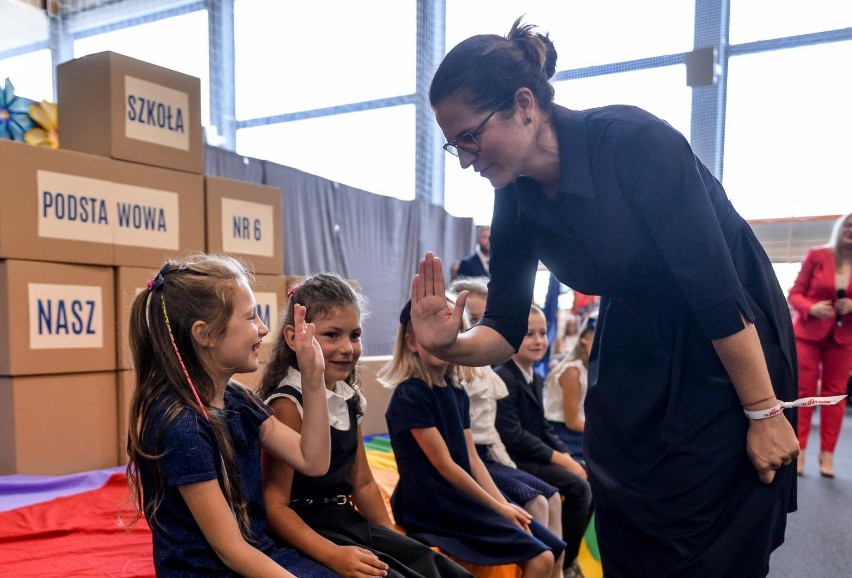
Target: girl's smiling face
237	350
339	336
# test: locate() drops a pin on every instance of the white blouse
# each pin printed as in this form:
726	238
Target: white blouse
484	393
338	414
554	410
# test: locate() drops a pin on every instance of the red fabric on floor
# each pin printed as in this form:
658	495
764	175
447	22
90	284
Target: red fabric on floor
84	535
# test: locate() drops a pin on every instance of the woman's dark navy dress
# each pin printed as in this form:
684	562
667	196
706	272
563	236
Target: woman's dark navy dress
428	506
639	220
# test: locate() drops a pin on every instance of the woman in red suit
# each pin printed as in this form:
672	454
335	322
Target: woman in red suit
822	323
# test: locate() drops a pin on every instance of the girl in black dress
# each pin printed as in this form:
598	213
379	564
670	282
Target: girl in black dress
316	514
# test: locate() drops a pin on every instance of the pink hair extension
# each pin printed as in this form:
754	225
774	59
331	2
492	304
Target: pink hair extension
180	359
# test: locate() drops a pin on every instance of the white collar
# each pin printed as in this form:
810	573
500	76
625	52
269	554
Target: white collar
338	412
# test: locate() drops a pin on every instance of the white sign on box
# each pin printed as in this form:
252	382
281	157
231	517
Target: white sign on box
65	316
146	217
156	114
247	228
267	310
74	208
83	209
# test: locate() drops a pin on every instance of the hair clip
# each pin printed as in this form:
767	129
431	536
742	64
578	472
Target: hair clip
292	290
156	282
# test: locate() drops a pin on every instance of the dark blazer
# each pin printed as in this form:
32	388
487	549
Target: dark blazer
815	283
525	432
471	266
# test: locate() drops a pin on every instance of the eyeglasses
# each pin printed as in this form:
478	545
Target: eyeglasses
467	142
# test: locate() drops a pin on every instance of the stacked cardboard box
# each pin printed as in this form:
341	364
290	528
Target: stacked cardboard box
81	231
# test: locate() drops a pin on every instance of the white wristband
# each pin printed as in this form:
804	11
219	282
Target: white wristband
765	413
803	402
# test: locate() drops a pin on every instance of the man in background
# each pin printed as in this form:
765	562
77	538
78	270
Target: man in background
476	264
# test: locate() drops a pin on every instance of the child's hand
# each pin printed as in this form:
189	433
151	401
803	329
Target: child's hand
516	515
308	350
570	464
355	562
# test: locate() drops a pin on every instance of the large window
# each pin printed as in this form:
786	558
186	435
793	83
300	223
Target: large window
357	149
30	74
584	33
787	145
299	56
753	20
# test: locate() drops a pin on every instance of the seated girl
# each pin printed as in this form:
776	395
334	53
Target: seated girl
317	514
445	496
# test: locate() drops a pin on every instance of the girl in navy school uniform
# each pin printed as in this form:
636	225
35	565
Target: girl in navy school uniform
445	496
317	514
195	436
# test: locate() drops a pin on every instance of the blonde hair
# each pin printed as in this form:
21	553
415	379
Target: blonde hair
835	242
473	285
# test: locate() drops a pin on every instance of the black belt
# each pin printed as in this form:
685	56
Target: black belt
340	500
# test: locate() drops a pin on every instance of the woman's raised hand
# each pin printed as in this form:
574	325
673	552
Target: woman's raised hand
435	324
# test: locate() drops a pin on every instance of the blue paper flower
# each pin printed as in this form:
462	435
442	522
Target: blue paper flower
14	114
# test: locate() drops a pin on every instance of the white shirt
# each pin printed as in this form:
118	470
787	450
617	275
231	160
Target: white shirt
338	414
554	409
484	393
482	256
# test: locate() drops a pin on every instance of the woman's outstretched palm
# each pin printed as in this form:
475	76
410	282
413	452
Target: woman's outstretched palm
435	324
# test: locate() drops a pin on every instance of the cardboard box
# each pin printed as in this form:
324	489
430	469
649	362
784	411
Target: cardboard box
57	424
56	318
120	107
245	220
126	384
55	205
377	395
270	293
159	214
129	282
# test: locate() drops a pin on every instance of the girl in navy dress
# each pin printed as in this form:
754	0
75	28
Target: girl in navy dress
445	496
195	436
317	514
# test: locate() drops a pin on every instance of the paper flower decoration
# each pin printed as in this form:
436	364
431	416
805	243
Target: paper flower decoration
46	134
14	114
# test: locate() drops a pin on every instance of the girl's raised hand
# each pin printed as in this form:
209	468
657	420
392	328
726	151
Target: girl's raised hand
307	348
435	324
